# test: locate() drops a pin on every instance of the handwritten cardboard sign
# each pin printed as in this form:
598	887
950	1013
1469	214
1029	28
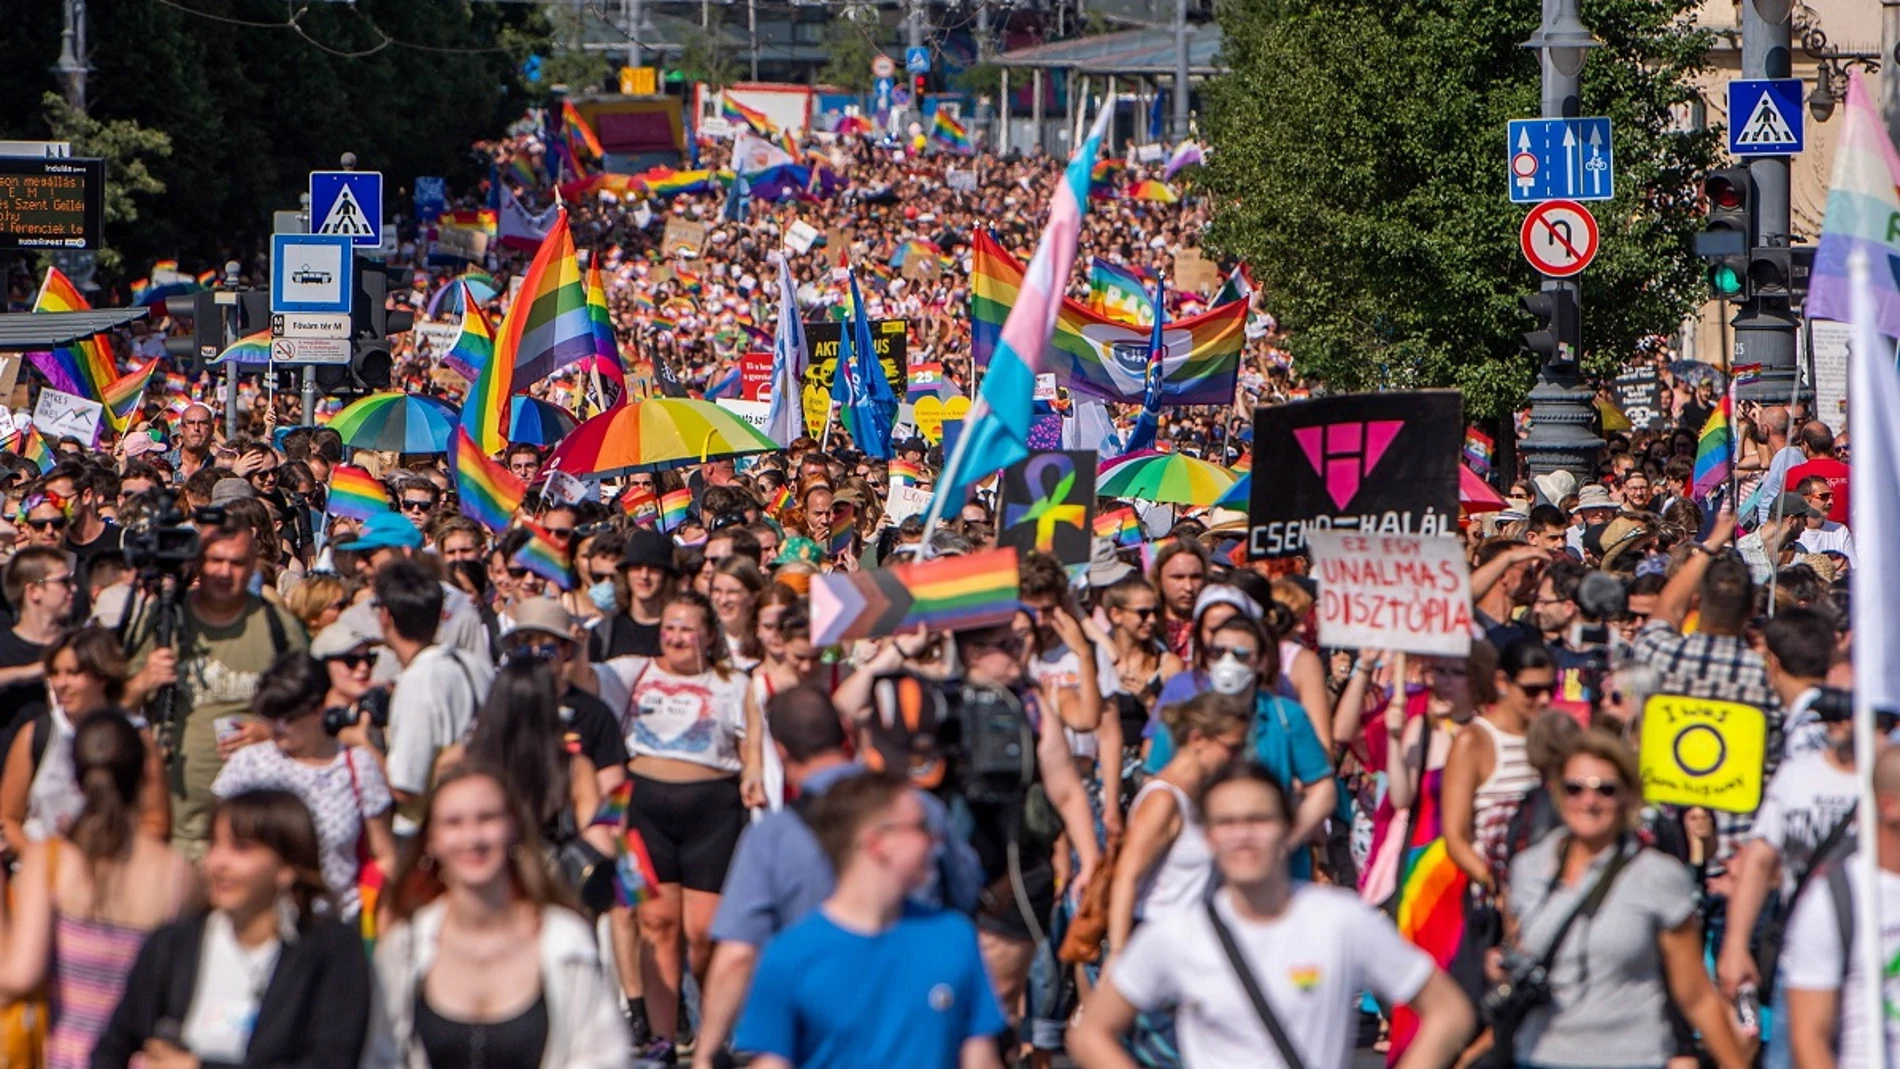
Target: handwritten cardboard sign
1392	592
62	415
682	234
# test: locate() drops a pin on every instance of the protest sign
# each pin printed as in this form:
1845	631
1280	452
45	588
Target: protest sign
755	376
837	247
9	374
1702	752
1639	397
1194	273
961	180
801	236
682	234
1384	463
931	413
460	242
1392	592
62	415
1047	505
905	502
890	337
753	412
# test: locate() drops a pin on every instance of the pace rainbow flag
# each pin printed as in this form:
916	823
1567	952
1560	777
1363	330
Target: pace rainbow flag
947	129
474	343
542	557
355	493
486	490
85	367
674	507
121	399
1863	200
1714	451
1097	357
733	111
1118	293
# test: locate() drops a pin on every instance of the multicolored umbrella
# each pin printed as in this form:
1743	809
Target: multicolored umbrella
448	299
1237	495
658	432
396	422
538	422
1164	478
1154	192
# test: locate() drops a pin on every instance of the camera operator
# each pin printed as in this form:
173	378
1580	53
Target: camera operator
227	639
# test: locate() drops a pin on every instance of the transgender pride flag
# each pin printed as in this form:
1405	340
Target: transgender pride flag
1862	198
996	430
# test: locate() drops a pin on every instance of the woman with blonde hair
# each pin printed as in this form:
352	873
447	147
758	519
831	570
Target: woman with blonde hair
317	600
483	960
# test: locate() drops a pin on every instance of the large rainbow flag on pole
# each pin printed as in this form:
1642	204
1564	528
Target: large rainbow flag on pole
1095	356
85	368
1715	450
547	327
605	362
996	431
1862	199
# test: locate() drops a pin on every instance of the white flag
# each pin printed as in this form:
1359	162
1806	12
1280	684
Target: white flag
520	230
790	355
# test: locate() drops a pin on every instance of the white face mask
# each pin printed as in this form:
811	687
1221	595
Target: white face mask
1231	675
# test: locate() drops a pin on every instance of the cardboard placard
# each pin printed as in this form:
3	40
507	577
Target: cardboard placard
1195	273
1048	505
837	245
963	181
1376	463
9	373
755	376
890	337
461	242
682	234
923	268
60	415
905	502
801	236
1702	752
1392	592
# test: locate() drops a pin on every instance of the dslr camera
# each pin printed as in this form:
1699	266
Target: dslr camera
1526	986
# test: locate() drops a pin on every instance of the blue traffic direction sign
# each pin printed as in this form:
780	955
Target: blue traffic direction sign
917	60
311	273
1765	117
1560	159
349	203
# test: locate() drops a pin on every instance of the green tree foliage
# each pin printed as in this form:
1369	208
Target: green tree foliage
252	103
125	146
852	43
1359	167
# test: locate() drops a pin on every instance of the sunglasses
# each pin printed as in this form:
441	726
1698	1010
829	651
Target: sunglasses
52	523
517	573
353	660
1536	690
560	532
1606	789
1144	614
538	651
410	504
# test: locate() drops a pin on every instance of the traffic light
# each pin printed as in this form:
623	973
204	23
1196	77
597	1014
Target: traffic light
917	90
190	353
1559	336
1771	273
1730	232
372	321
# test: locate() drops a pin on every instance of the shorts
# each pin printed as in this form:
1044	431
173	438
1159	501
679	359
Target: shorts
691	829
998	911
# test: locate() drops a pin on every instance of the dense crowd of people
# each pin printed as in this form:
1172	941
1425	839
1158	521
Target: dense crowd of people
341	789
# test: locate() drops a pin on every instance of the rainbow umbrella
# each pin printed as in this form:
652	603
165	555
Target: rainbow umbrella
1237	495
1165	478
1153	191
658	432
538	422
252	350
397	423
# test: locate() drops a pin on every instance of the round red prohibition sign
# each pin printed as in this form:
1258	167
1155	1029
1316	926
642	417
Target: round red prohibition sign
1559	238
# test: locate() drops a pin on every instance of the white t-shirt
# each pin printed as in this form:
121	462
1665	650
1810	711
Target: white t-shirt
1312	963
461	628
1803	802
231	983
1811	960
339	795
700	719
431	708
1061	669
1830	537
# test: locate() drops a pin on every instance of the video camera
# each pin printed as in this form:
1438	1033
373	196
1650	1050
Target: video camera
160	540
973	739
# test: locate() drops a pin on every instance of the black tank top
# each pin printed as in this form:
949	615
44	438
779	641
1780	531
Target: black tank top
516	1043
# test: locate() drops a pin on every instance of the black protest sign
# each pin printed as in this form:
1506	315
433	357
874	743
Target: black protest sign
1049	504
1376	463
890	337
1639	397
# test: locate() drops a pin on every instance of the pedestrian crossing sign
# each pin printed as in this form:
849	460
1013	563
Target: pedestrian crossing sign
348	204
1765	117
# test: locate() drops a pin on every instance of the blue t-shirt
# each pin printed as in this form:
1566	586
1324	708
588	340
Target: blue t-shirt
827	998
1283	741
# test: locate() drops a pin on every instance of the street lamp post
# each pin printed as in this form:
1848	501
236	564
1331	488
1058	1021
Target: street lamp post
1563	435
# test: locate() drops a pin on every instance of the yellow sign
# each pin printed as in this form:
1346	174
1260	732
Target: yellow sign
817	407
1703	752
930	412
639	81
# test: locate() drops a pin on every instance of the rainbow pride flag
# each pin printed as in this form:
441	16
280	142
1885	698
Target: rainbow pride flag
474	343
250	350
781	501
545	559
675	183
577	127
1715	450
1097	357
947	129
1119	293
733	111
33	447
547	327
1119	526
844	528
946	594
904	473
641	506
1431	899
1863	196
606	356
355	493
634	877
487	491
84	368
675	505
122	398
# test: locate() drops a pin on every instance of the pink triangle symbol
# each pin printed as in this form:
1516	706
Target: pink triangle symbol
1311	439
1379	434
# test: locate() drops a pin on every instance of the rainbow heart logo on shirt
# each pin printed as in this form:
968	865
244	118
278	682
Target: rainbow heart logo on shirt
1304	977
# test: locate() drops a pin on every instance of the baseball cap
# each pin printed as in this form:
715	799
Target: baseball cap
384	530
338	639
1793	504
542	616
226	491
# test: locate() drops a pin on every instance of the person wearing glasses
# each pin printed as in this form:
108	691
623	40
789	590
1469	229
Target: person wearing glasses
1823	535
387	537
524	461
43	520
193	451
40	585
416	498
1614	969
1487	774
